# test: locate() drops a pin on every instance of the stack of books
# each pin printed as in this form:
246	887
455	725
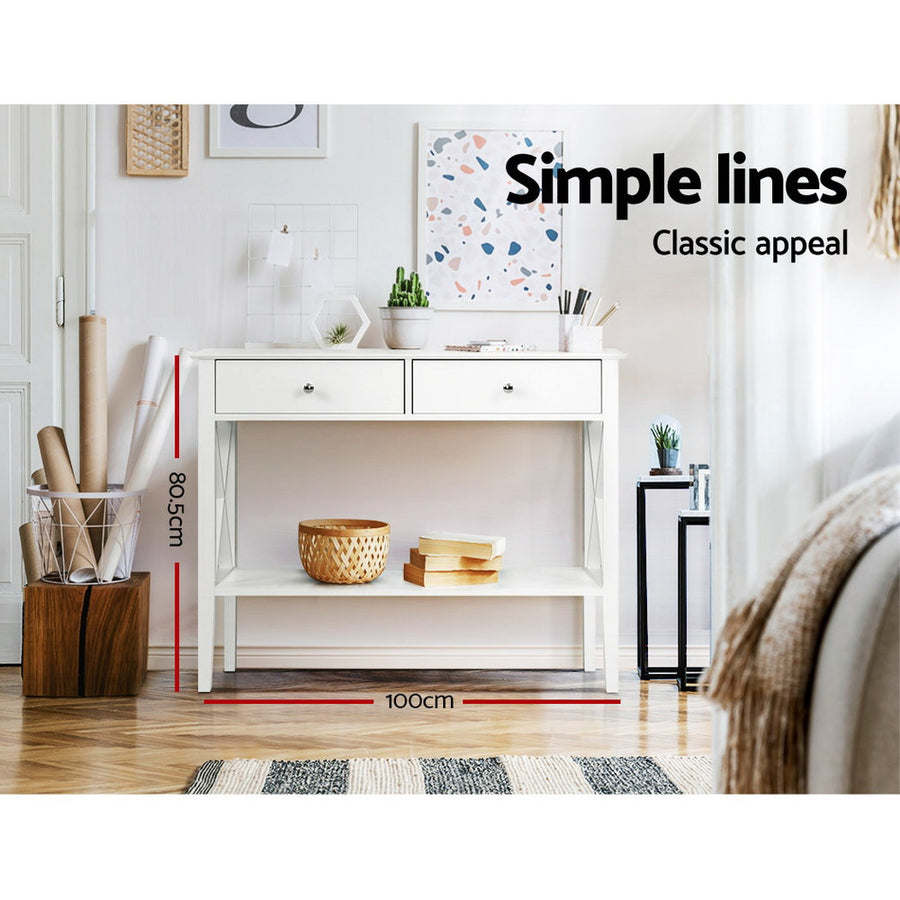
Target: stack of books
445	557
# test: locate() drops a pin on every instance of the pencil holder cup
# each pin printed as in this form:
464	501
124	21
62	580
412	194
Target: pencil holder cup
585	338
566	324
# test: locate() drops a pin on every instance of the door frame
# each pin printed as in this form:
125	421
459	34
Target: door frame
71	256
78	173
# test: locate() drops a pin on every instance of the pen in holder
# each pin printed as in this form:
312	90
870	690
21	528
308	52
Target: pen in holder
577	333
567	322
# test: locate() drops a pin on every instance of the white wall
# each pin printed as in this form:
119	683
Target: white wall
171	261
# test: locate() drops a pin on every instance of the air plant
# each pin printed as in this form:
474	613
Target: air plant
340	334
407	291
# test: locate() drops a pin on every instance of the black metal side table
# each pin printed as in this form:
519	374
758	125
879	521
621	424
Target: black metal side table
686	676
644	484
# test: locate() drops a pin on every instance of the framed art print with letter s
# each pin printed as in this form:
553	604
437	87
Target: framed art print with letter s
274	130
477	249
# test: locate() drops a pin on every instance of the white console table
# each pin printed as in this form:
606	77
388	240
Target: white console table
400	386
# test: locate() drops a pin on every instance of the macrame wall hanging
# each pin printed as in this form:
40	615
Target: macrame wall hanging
884	212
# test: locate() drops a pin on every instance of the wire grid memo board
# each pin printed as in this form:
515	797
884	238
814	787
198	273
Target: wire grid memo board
282	299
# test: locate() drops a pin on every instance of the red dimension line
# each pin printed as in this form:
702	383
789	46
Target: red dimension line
313	702
177	384
542	701
177	627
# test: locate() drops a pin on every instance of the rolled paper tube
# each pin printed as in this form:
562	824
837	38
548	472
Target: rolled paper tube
51	539
119	531
94	450
31	554
148	398
79	562
48	540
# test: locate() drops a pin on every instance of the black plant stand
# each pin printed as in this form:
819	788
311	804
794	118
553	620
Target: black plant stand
687	676
644	484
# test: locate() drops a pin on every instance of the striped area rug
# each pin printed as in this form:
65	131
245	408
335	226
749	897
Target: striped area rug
483	775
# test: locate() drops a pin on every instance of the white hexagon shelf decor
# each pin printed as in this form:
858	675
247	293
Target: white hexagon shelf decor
339	323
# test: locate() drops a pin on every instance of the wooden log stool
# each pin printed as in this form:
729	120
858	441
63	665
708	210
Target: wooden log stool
85	640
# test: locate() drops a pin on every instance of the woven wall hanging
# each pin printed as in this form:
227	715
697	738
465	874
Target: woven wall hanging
884	211
156	139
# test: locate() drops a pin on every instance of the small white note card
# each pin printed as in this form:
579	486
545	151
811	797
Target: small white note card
280	245
320	272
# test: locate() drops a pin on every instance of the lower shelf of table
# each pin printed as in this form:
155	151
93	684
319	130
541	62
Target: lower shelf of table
548	581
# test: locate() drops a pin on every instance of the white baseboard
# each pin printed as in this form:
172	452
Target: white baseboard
10	630
407	657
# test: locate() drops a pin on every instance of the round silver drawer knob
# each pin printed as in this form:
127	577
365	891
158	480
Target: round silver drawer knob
308	388
508	388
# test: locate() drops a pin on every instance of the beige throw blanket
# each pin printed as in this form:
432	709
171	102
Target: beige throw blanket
764	659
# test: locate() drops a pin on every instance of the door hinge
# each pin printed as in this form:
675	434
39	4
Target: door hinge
60	301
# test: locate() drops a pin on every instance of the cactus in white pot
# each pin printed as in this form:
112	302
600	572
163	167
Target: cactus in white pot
406	320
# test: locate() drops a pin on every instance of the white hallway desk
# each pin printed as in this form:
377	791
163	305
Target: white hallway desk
294	385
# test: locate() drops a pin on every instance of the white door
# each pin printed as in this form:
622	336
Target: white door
29	342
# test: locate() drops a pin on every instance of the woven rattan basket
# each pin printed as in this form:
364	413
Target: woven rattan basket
344	551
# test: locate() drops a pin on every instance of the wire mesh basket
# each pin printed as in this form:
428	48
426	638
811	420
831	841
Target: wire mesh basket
85	538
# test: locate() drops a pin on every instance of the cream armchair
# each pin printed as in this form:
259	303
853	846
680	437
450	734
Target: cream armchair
853	739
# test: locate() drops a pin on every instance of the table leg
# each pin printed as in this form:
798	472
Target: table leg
230	624
589	633
611	645
601	546
610	534
643	637
206	527
206	569
682	605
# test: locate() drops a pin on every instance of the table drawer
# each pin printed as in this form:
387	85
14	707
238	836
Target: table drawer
507	387
309	387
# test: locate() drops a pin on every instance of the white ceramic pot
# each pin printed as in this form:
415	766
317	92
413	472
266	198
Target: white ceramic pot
406	327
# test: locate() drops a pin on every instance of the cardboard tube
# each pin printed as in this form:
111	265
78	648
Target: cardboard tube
48	559
31	554
148	398
93	446
46	546
143	470
79	562
49	542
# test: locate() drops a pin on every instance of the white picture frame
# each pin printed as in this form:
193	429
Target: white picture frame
268	130
516	294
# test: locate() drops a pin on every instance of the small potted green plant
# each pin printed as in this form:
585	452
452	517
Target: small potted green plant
666	439
406	320
338	334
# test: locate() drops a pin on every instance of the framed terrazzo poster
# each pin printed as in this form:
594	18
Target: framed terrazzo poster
477	249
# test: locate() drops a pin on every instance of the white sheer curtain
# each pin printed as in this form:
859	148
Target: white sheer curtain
767	359
768	425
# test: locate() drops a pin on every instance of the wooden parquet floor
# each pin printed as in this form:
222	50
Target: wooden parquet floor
153	743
